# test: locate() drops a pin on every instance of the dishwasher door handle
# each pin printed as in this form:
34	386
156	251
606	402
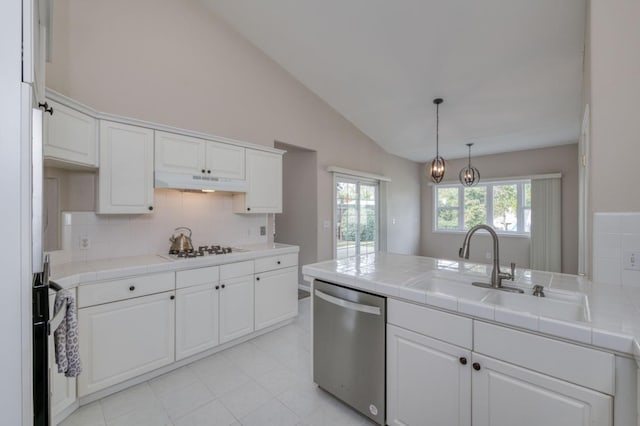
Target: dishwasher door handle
347	304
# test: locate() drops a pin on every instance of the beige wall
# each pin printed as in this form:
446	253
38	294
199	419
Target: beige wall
173	62
614	71
563	159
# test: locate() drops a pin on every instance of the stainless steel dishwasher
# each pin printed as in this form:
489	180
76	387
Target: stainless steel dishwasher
349	347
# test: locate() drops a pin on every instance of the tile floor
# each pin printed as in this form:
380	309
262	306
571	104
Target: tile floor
265	381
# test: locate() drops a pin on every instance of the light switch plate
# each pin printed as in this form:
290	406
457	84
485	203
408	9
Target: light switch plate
631	260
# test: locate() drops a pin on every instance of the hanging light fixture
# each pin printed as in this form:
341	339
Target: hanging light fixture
437	165
469	176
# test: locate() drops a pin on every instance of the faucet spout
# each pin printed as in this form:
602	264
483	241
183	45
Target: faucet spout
496	275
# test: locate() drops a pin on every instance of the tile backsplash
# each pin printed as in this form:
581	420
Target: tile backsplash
615	235
209	216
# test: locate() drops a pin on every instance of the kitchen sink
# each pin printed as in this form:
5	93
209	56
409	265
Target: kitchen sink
449	287
563	306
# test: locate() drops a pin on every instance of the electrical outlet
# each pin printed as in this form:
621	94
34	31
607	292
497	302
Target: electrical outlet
631	260
263	230
84	242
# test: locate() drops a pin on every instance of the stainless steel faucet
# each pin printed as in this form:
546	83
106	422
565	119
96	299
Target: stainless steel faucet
496	275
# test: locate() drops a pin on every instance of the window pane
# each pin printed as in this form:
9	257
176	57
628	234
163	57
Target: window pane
505	207
367	219
527	196
447	208
475	206
527	220
447	197
346	209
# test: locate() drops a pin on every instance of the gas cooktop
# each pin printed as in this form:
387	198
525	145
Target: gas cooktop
202	251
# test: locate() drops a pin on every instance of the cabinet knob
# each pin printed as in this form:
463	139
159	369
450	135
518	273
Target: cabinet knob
150	208
172	297
209	171
46	107
257	278
222	286
217	287
476	366
463	360
203	170
278	262
131	288
248	209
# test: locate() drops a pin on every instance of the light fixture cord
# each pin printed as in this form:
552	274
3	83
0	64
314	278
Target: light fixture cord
469	156
437	130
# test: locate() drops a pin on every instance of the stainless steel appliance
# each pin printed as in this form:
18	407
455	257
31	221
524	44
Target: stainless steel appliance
349	347
202	251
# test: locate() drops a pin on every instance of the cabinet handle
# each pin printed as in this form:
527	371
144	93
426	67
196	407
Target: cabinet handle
257	278
150	208
131	288
476	366
172	297
217	287
463	360
46	107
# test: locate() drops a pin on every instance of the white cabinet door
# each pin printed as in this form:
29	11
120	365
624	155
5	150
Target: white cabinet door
70	136
196	319
179	154
506	395
225	161
236	307
125	178
276	294
62	389
124	339
264	184
428	381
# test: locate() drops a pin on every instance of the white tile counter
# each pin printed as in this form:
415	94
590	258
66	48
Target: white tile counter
614	309
72	274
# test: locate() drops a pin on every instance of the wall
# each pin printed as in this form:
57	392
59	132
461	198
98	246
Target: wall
297	223
614	68
563	159
209	216
174	62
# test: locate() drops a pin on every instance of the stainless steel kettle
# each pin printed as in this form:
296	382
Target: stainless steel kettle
181	243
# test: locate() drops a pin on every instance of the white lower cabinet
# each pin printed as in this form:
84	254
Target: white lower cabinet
428	381
276	294
121	340
236	307
507	395
196	319
431	382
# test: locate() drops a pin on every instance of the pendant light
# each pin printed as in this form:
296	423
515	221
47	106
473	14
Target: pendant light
437	165
469	176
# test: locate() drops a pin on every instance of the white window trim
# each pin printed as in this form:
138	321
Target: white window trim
489	203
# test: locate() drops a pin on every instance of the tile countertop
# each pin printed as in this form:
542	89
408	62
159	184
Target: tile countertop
615	310
72	274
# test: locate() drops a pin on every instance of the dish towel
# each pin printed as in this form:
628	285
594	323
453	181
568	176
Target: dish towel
66	335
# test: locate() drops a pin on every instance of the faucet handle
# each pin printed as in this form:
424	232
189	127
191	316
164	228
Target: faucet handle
513	271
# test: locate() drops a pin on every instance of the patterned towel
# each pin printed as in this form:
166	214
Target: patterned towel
66	336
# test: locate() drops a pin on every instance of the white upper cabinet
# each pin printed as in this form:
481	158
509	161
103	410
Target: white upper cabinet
264	181
125	177
193	156
70	137
36	44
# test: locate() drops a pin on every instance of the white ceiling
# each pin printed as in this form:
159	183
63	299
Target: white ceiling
510	71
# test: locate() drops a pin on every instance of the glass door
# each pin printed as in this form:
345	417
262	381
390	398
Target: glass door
356	217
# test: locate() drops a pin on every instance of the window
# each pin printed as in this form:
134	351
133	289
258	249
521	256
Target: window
504	205
356	216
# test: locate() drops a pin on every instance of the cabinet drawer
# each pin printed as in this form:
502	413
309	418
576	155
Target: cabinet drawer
430	322
126	288
583	366
276	262
198	276
233	270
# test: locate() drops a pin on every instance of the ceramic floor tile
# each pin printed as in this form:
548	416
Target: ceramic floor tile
173	380
225	380
146	416
211	414
278	380
179	402
245	399
273	413
211	365
128	400
303	399
87	415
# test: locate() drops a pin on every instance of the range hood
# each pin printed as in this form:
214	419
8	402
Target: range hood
198	182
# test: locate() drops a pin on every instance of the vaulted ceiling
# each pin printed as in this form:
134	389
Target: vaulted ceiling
510	71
